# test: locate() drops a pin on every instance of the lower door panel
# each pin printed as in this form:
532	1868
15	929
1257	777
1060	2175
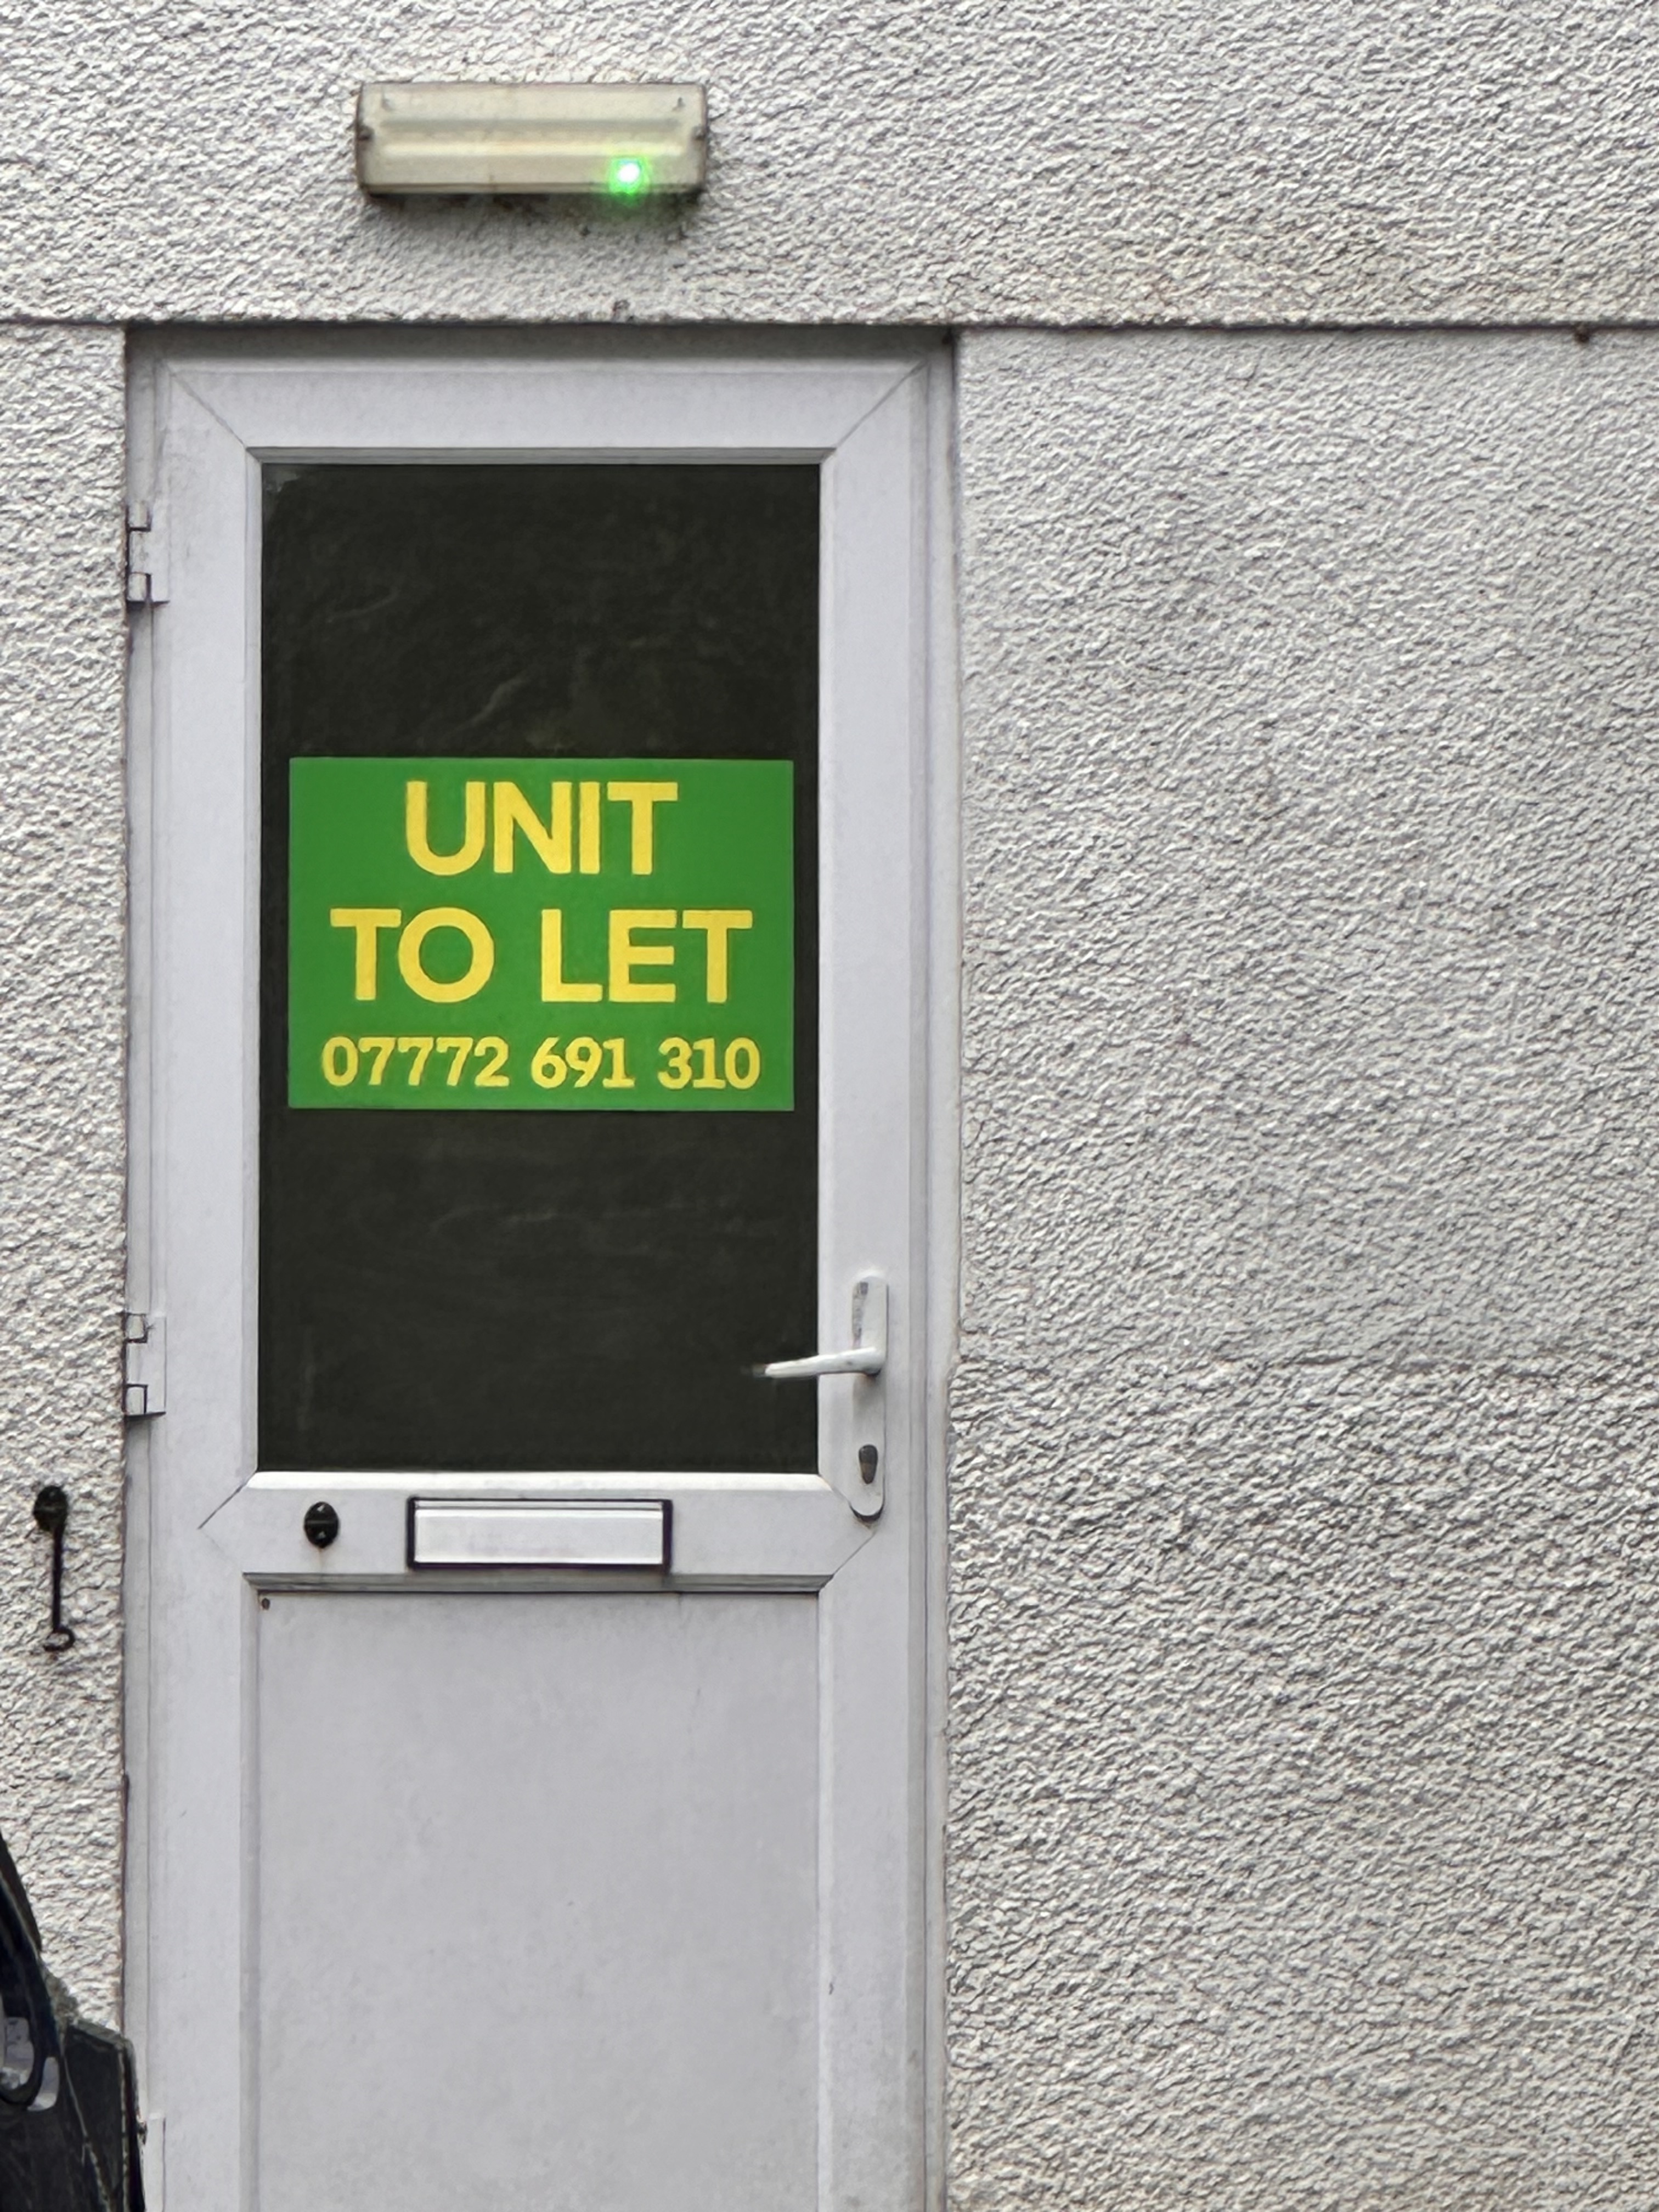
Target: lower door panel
536	1901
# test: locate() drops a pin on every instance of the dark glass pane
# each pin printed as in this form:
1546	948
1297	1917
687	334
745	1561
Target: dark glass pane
536	1289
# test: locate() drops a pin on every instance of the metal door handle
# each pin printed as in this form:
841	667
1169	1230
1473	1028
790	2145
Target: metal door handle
867	1354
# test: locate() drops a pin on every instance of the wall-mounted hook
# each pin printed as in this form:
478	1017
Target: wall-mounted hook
51	1515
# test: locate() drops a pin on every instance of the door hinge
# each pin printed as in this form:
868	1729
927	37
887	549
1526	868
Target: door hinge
143	1366
147	583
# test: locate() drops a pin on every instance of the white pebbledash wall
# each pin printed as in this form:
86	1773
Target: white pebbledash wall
1305	1518
63	1044
1305	1531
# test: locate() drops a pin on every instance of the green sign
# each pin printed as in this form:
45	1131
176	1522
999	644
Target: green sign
588	934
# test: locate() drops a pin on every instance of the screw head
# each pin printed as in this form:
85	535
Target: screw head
322	1524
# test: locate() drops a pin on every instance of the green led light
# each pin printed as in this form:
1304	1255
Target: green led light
627	175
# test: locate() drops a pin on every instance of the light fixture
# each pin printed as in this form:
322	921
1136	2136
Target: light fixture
620	140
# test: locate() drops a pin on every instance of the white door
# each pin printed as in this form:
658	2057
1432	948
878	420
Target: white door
532	1036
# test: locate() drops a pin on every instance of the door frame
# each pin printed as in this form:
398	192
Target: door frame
879	410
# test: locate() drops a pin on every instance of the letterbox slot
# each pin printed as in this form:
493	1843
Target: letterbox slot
630	1533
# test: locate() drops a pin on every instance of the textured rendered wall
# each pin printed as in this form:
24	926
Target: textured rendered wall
1303	1763
986	160
61	1049
1305	1526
